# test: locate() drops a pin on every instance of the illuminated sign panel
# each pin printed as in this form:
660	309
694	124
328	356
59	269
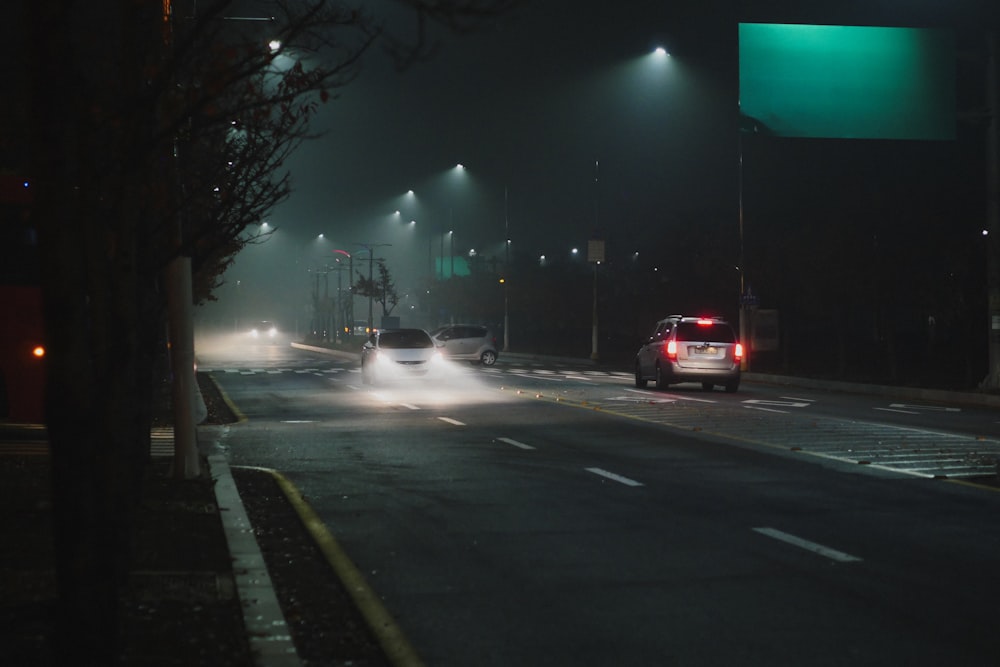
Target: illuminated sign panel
847	82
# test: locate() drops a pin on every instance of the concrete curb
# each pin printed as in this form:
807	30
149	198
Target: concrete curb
270	640
387	632
348	356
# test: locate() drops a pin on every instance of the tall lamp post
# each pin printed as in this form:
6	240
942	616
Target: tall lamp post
349	315
506	270
370	247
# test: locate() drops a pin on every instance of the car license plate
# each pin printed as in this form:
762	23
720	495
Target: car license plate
707	349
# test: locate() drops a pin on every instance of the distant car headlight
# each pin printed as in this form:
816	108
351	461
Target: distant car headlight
254	333
272	332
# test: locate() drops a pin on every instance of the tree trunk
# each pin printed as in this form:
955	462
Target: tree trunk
97	382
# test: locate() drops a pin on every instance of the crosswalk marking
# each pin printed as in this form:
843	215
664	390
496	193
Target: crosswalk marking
161	445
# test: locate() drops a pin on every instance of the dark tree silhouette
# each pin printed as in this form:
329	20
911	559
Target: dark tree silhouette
157	130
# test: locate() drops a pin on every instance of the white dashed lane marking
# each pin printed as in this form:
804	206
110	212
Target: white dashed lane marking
819	549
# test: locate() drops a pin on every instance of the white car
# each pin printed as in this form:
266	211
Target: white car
467	342
399	353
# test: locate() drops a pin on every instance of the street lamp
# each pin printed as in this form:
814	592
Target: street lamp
349	314
370	247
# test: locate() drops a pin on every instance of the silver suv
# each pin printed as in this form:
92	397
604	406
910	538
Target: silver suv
690	349
468	342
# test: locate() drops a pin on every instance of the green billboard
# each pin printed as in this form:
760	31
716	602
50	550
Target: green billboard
847	82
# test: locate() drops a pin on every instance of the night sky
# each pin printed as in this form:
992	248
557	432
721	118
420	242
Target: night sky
569	129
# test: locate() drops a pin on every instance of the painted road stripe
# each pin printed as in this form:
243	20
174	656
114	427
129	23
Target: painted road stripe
410	406
452	421
613	477
827	552
511	441
904	412
932	408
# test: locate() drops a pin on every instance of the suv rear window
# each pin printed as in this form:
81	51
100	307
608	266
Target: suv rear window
716	332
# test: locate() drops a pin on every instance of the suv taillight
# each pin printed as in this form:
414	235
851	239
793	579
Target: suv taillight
671	350
738	352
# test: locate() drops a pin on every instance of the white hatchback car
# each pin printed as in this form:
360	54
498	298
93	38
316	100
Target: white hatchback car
399	353
467	342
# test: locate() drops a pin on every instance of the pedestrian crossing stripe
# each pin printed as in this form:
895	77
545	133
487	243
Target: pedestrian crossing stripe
161	445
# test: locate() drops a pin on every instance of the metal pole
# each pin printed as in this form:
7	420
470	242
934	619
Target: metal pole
371	284
339	314
593	334
992	380
506	272
745	362
370	247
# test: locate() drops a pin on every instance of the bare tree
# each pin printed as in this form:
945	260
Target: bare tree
157	131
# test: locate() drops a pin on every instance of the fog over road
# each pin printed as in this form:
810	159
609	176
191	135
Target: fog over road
537	513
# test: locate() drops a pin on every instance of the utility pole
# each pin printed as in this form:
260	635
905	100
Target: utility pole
992	380
370	247
595	254
349	315
506	271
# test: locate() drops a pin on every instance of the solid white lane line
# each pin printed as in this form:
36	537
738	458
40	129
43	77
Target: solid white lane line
511	441
932	408
819	549
410	406
613	477
903	412
452	421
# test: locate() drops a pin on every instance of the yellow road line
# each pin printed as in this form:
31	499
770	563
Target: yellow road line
390	636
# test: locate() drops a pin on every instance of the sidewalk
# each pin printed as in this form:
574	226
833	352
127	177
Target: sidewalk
199	592
182	603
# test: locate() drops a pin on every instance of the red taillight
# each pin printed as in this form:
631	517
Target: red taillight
671	350
738	352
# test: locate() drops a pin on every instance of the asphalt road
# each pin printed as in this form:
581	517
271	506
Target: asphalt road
543	514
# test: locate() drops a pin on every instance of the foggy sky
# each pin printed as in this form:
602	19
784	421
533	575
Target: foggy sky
566	125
